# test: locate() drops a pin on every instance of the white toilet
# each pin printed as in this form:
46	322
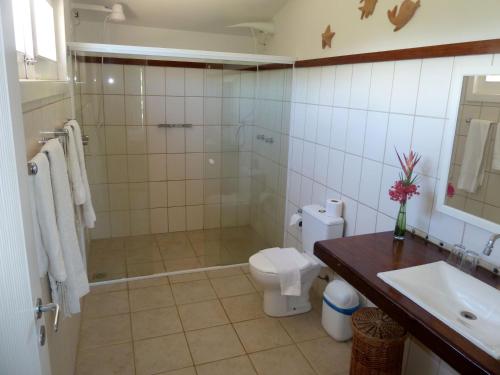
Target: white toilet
316	226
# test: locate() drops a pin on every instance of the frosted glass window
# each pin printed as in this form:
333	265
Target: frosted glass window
44	29
22	27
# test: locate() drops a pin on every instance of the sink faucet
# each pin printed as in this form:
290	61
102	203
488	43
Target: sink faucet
489	245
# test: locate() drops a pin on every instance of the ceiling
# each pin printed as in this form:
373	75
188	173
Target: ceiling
194	15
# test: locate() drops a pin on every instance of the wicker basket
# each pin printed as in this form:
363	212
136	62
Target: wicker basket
378	343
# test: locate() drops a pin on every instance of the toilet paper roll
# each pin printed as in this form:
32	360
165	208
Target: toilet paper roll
295	219
333	208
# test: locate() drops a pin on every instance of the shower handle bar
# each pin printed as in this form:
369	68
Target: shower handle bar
175	125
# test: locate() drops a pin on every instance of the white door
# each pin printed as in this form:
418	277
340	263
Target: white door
20	351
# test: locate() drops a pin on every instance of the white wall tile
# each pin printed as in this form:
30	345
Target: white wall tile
313	85
427	137
194	166
194	82
356	131
136	140
360	85
335	169
155	80
381	86
176	193
349	213
351	176
134	80
297	149
375	135
324	125
120	223
158	194
194	110
112	79
298	120
139	222
212	111
321	164
405	86
419	208
385	223
435	80
114	109
155	110
306	186
340	118
194	192
319	194
327	85
176	140
158	218
248	82
386	206
446	228
194	139
157	167
299	93
194	217
116	140
174	81
369	189
342	91
174	109
135	111
366	220
399	133
156	140
308	160
138	195
213	82
294	188
176	169
137	168
311	123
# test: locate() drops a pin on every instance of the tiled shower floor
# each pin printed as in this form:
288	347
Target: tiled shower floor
204	323
118	258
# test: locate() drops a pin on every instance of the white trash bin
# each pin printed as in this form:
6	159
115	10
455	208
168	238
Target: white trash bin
340	301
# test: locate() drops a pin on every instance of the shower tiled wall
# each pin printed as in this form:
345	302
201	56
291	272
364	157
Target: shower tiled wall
147	179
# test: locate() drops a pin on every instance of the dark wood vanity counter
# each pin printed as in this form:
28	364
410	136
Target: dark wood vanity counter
358	259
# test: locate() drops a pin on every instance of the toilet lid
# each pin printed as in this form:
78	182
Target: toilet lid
263	264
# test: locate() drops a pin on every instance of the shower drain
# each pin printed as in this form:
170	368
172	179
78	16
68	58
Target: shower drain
468	315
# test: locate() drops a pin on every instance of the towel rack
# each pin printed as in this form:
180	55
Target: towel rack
57	133
469	119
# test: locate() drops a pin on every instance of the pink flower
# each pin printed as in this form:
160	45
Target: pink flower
450	190
405	188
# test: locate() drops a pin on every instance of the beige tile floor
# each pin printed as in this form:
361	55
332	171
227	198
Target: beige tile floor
123	257
205	323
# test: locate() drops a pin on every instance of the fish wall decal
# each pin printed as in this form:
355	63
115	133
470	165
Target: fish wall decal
367	8
406	12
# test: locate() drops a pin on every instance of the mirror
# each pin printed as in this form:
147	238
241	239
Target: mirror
470	172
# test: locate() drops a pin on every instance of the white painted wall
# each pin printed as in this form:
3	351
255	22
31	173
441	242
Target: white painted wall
155	37
299	25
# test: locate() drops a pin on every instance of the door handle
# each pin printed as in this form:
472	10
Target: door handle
40	309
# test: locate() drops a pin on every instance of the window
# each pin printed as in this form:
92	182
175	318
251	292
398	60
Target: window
22	27
45	36
35	33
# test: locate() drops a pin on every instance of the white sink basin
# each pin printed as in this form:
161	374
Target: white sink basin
464	303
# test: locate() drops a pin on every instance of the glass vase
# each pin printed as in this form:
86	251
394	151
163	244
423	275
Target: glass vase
400	230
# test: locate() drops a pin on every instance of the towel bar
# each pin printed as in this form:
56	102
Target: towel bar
468	120
175	125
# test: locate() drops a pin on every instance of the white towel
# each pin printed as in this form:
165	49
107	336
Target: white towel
88	209
288	263
76	283
77	188
75	174
47	241
472	169
496	151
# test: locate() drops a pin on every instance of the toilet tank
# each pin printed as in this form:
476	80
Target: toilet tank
318	226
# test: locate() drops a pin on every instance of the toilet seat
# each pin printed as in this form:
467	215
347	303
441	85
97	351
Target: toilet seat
261	263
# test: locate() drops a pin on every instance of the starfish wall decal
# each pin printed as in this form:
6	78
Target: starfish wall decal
326	38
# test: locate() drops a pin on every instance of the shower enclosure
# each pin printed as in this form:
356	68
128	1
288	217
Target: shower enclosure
187	156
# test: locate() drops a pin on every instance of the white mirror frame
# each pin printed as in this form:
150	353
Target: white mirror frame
447	147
